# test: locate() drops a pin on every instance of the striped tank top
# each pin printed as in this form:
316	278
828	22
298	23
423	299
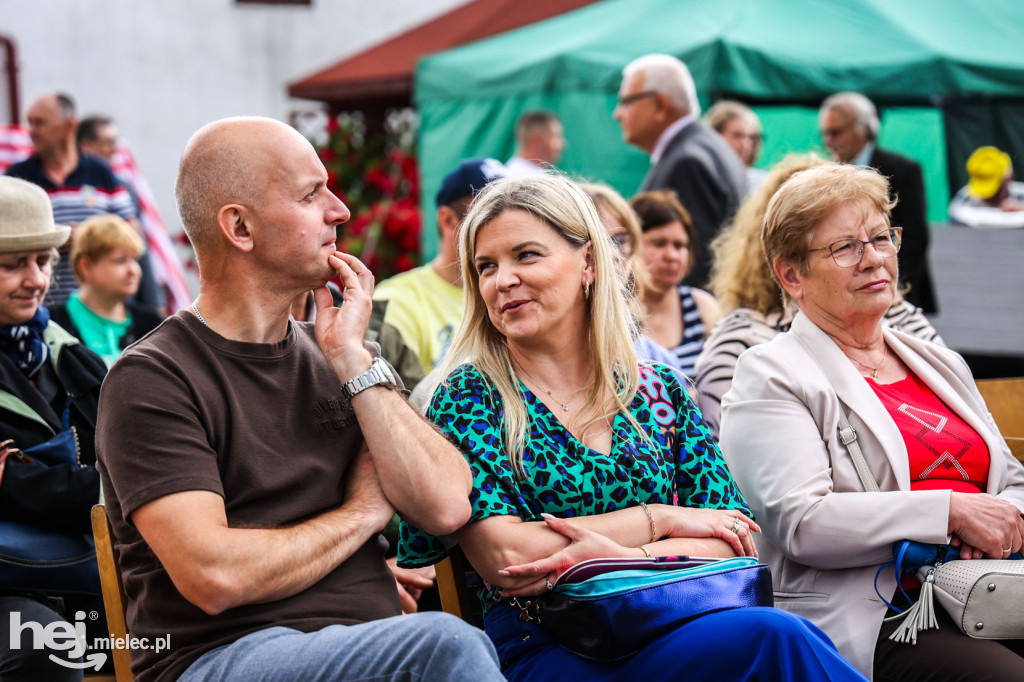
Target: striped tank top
693	333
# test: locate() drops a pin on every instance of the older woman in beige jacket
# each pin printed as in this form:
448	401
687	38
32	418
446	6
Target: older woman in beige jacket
828	237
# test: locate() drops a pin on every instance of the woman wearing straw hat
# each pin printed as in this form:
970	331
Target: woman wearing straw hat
49	383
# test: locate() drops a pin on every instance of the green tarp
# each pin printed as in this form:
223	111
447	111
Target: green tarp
783	56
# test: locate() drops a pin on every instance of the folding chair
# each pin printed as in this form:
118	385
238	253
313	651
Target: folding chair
455	580
113	596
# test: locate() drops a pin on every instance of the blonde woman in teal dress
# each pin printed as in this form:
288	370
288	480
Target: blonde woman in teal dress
577	451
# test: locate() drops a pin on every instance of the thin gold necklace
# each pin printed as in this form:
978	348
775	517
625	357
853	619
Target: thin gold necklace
881	363
564	405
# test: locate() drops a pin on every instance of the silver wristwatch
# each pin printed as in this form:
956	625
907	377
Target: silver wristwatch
379	373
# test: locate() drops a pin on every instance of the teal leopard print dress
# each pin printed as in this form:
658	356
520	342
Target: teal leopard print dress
566	478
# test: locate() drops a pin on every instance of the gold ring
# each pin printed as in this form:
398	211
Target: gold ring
1006	550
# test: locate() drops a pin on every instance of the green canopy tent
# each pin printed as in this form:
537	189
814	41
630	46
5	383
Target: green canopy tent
947	76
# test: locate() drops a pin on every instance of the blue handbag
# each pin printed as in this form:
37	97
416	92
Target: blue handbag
607	609
34	559
37	560
61	449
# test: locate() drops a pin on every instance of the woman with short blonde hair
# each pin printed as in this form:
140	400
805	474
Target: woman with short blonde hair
740	127
939	470
104	258
100	235
623	228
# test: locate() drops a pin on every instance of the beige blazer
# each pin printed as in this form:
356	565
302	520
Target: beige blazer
823	535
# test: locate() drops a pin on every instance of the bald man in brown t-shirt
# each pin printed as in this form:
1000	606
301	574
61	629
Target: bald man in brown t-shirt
249	461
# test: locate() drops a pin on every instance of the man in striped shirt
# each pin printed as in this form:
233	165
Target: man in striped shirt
79	186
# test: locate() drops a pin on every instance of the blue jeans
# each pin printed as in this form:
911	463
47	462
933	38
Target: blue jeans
423	646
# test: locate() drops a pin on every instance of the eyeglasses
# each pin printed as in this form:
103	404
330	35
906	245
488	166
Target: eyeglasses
836	132
850	252
622	242
626	100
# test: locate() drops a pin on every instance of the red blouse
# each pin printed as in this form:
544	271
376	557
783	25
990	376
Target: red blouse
945	452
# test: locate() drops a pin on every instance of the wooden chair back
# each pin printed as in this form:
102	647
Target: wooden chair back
113	591
1005	400
453	583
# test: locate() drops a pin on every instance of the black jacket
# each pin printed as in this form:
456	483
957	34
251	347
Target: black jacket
144	320
709	180
60	497
906	185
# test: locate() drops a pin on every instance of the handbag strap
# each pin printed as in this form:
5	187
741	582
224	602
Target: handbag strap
847	434
9	450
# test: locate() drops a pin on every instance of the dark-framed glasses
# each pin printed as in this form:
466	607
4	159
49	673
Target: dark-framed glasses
850	252
626	100
836	131
622	242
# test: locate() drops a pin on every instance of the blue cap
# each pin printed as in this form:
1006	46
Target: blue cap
469	178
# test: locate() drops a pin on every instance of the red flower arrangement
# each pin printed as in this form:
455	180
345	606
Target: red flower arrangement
377	176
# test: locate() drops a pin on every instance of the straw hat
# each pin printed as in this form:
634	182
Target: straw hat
987	168
26	218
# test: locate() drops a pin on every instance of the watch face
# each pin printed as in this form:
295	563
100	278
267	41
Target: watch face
385	371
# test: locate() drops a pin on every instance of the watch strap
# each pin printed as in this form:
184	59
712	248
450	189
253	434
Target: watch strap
377	374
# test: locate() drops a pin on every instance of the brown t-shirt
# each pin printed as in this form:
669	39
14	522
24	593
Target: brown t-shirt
264	426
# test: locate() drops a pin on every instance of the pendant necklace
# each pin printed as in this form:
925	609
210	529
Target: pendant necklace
881	363
564	405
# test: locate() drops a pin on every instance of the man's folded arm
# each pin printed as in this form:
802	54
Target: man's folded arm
423	475
217	567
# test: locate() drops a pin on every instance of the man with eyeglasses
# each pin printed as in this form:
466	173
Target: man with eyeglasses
659	113
849	127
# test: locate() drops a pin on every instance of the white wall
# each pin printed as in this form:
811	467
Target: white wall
163	68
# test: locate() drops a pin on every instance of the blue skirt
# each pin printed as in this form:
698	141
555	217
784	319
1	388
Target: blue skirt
755	643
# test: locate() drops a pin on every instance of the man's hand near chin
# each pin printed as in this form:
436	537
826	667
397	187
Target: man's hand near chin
411	582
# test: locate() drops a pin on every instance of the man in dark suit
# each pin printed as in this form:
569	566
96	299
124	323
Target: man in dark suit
849	127
658	111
